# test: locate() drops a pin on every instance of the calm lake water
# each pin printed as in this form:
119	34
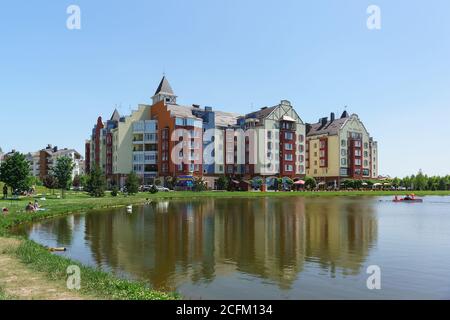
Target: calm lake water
267	248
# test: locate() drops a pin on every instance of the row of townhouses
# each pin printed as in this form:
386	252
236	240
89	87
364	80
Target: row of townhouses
166	139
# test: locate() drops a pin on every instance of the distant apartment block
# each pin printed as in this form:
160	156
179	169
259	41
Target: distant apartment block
42	161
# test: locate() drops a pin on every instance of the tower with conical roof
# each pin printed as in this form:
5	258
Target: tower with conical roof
164	93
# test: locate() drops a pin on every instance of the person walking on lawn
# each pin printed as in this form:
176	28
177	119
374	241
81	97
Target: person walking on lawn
5	192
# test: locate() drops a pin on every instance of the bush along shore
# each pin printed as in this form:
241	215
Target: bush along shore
98	284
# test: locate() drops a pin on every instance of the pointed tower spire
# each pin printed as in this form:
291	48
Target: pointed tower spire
115	116
164	92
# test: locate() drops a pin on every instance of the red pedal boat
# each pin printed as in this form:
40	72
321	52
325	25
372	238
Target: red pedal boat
409	199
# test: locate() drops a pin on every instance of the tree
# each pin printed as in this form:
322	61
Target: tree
95	183
171	182
50	183
62	171
310	183
396	182
76	183
132	183
154	189
420	181
288	182
114	191
199	185
222	183
15	172
357	184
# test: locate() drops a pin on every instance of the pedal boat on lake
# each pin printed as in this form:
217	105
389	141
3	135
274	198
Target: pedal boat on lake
409	199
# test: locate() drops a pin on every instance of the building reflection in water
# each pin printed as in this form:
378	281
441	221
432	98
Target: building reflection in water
169	243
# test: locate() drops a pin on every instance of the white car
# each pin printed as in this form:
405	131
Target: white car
162	189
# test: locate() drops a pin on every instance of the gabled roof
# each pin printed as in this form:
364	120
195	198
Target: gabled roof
181	111
115	116
261	114
330	127
164	87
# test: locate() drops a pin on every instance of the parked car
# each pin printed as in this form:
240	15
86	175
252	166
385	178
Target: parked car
145	188
162	189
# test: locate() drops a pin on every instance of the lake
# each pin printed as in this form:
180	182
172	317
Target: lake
266	248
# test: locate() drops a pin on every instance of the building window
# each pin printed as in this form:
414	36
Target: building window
358	162
343	143
344	162
343	152
301	138
301	148
288	168
269	145
269	134
301	158
366	145
288	136
288	157
288	146
366	163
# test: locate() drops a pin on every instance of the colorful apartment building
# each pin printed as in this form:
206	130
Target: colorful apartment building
166	139
278	135
339	149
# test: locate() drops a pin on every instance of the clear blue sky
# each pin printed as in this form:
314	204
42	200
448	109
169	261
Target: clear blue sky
231	55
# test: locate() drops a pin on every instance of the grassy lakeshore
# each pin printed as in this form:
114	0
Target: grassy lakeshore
99	284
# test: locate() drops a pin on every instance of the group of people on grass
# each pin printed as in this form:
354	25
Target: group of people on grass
30	208
33	207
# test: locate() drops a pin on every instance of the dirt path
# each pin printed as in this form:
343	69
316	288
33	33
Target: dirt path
21	283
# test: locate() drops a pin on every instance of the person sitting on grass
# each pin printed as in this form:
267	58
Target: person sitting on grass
30	207
36	205
5	210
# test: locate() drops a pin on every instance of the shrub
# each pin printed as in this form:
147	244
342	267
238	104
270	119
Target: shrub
114	191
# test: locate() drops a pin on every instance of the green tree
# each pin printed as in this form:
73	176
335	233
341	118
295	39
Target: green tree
63	174
154	189
222	183
357	184
76	183
396	182
15	172
96	182
310	183
132	183
50	183
114	191
199	185
171	182
420	181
